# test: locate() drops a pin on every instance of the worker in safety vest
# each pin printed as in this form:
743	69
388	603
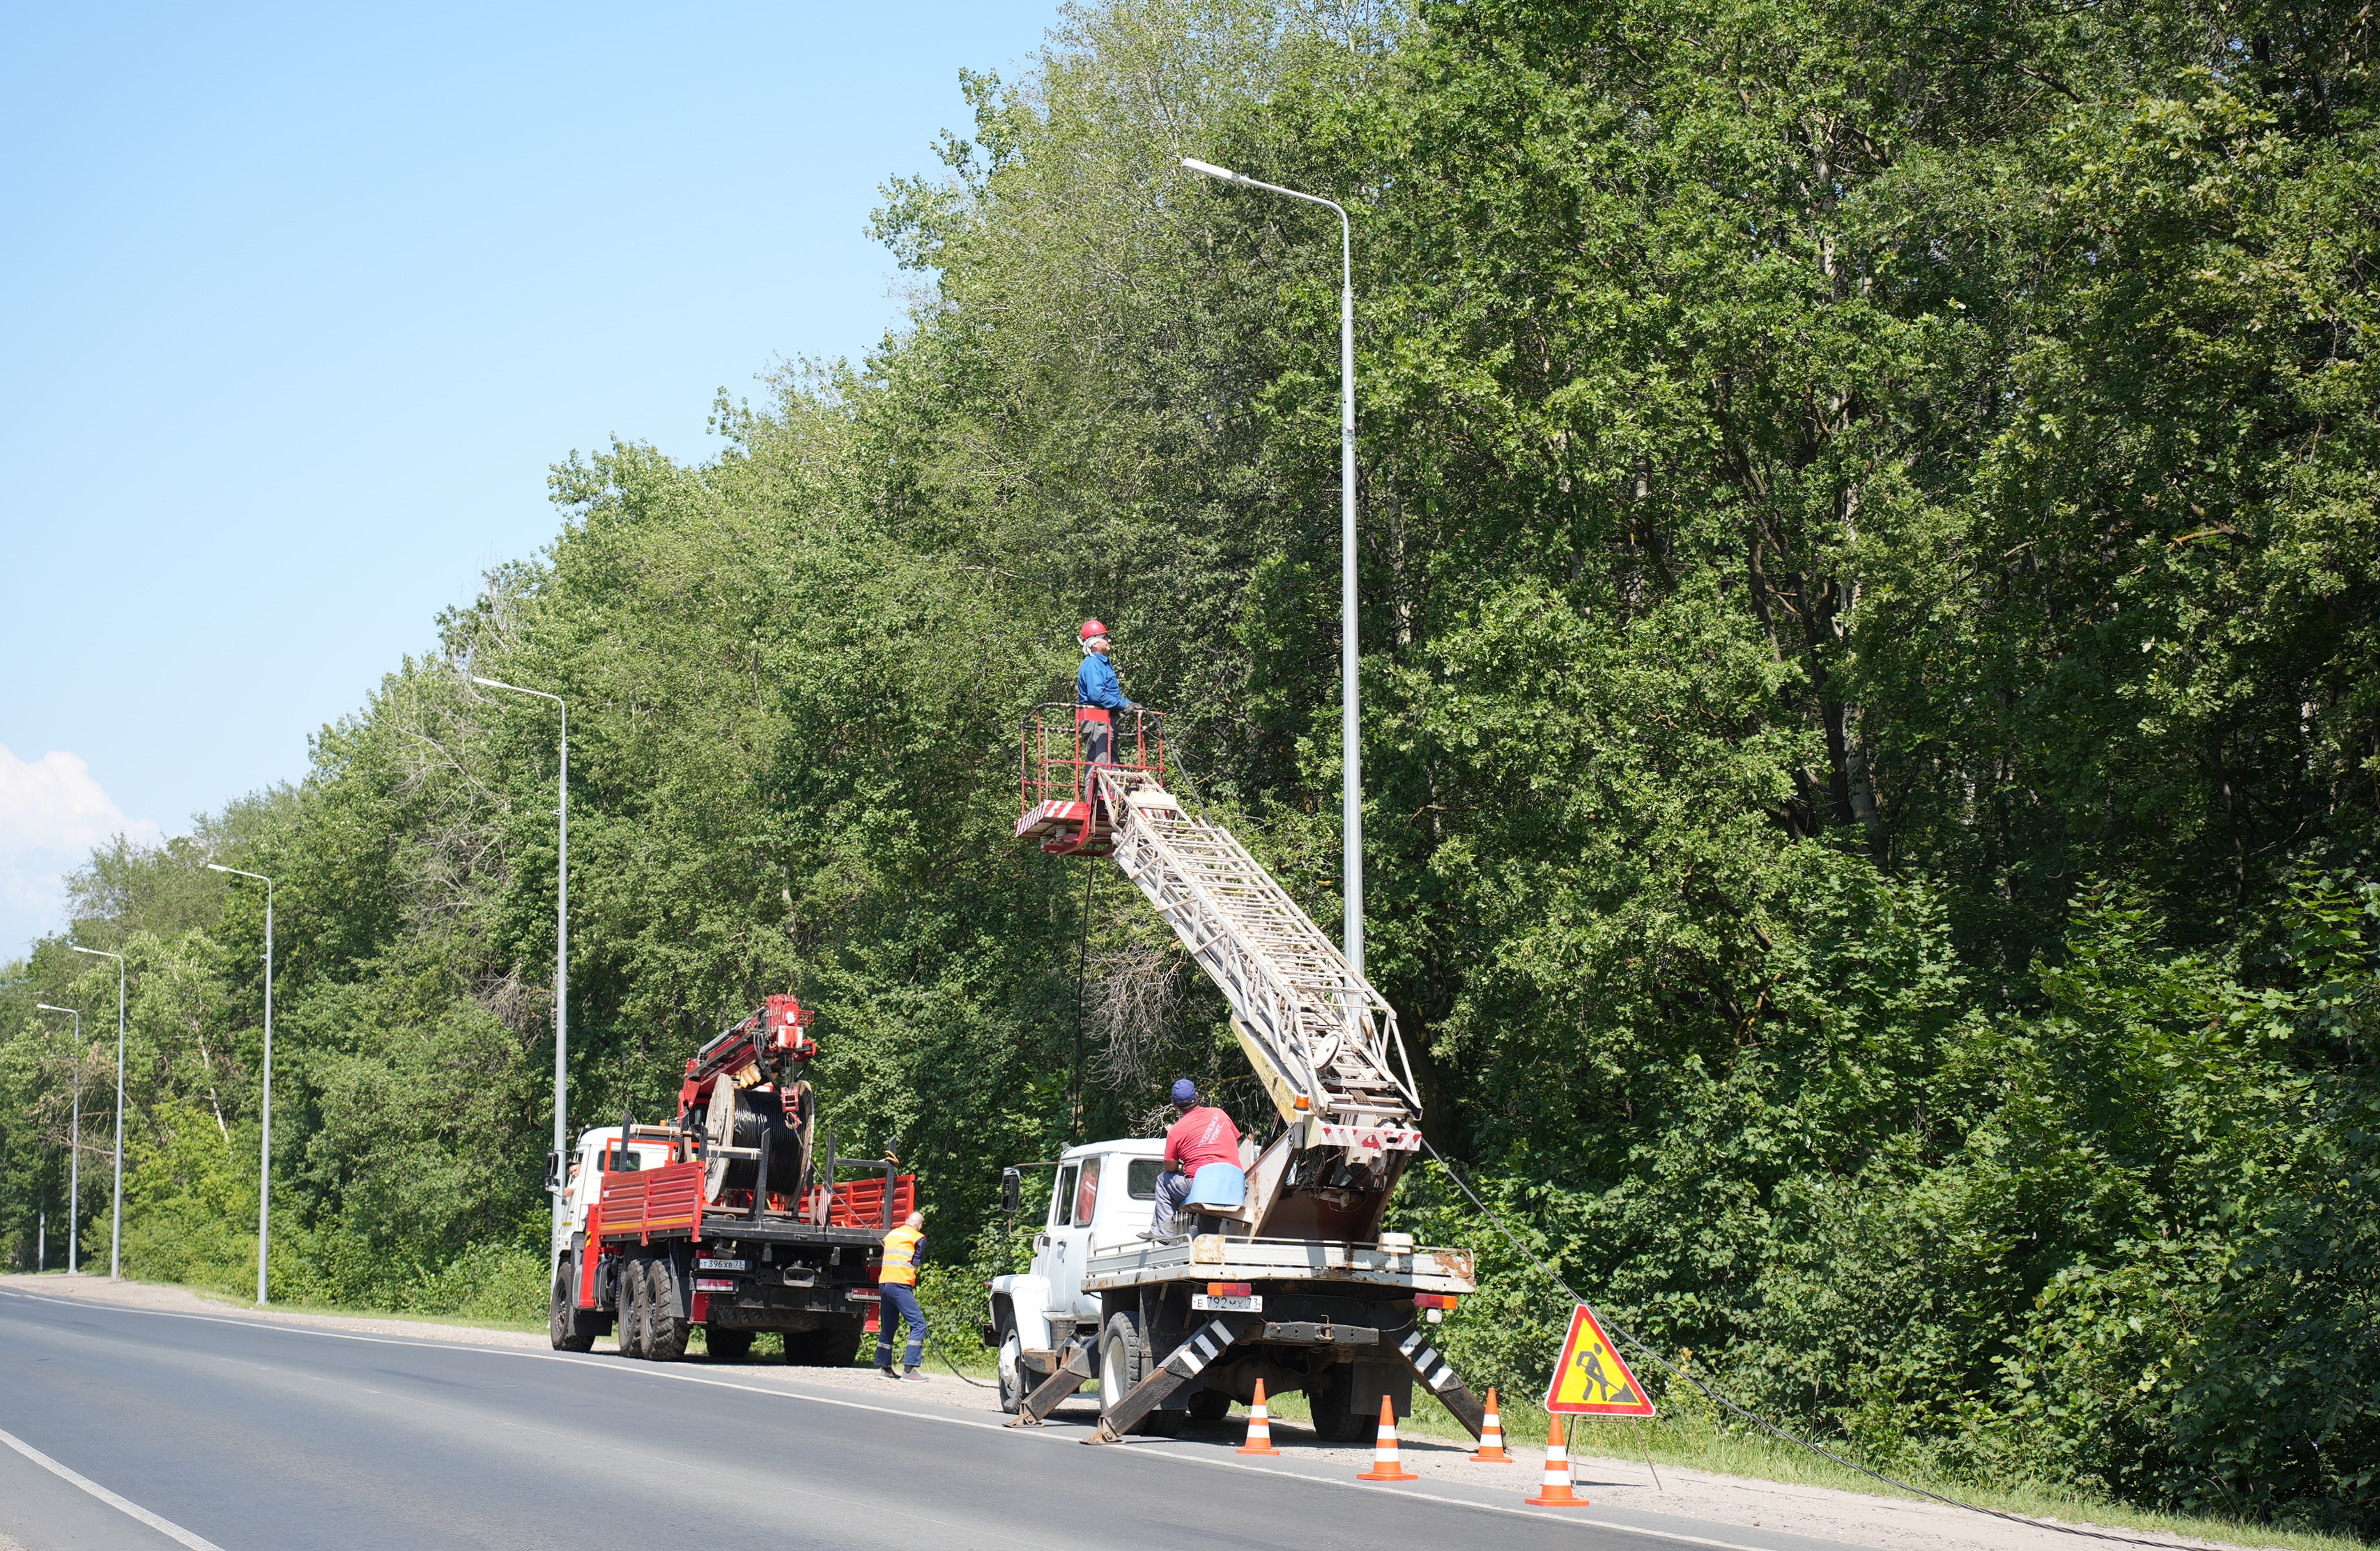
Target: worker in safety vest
1096	684
896	1286
1202	1161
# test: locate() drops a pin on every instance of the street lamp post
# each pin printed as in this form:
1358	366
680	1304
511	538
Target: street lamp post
74	1136
1351	788
265	1148
116	1237
561	943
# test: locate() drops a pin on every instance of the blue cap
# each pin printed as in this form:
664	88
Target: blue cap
1186	1092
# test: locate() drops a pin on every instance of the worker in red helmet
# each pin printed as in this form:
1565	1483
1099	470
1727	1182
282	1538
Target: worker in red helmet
1096	684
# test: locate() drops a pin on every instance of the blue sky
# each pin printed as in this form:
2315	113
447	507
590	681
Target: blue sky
296	306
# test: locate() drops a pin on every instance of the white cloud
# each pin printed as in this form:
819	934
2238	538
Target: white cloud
52	813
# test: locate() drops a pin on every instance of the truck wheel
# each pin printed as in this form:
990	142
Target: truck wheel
633	1303
1331	1397
727	1346
1124	1360
666	1326
1210	1406
1016	1383
569	1327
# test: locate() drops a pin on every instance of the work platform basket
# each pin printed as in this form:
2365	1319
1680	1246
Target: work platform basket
1056	803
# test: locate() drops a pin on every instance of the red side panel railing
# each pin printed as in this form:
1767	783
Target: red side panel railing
641	1203
860	1203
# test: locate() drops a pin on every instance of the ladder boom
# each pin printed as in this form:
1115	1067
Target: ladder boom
1323	1041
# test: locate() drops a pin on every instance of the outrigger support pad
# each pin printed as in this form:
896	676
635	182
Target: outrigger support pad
1073	1372
1439	1378
1185	1364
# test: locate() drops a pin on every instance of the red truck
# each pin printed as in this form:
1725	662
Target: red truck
729	1217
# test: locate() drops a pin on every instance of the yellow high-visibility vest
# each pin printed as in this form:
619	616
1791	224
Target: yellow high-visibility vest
901	1256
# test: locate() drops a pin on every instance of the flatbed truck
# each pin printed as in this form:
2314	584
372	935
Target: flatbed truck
723	1218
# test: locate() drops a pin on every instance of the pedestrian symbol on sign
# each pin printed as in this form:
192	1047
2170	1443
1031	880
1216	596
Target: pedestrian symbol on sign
1591	1379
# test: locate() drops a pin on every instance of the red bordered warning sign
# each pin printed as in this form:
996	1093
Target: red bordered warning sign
1591	1380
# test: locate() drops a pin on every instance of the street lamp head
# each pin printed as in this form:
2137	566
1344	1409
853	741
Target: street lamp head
488	682
1212	170
95	952
46	1008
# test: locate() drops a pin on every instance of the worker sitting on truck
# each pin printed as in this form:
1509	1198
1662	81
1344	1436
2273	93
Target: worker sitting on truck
1096	684
896	1286
1202	1161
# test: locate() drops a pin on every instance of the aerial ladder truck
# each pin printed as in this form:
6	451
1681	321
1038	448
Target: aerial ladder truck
1298	1287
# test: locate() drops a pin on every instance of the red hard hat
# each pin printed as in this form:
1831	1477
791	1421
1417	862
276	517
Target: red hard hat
1090	627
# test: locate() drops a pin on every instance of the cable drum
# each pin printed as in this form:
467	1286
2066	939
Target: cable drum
746	1119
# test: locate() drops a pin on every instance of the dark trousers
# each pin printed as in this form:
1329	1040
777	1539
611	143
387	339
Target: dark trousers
900	1299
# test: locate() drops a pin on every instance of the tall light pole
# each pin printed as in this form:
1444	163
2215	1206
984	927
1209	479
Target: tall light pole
265	1149
1351	783
561	945
74	1137
115	1239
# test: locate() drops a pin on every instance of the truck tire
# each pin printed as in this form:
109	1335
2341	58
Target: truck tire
830	1346
1210	1406
1124	1360
569	1327
1331	1397
727	1346
666	1326
1016	1383
633	1303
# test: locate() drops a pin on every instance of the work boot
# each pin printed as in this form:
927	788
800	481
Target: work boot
885	1370
912	1373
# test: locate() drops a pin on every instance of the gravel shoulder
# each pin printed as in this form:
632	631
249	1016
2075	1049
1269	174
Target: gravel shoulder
1611	1479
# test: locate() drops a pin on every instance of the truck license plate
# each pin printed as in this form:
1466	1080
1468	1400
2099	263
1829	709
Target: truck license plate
1252	1304
721	1265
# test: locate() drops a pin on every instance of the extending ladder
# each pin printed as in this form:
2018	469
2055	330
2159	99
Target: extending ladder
1323	1041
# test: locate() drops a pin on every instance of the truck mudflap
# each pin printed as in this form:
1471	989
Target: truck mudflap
1186	1363
1438	1377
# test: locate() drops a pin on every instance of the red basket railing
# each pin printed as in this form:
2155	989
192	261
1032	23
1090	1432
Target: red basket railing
1054	759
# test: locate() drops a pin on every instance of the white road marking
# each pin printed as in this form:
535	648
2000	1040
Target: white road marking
122	1505
663	1371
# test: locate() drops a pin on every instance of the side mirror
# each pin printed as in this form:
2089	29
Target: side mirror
552	1170
1012	1190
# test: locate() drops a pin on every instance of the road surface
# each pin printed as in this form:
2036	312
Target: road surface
124	1427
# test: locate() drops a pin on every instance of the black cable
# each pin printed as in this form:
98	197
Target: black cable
1762	1422
954	1372
1081	963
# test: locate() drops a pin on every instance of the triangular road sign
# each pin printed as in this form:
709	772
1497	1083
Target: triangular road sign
1591	1380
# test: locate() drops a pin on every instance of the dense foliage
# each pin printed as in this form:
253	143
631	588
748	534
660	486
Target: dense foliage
1871	519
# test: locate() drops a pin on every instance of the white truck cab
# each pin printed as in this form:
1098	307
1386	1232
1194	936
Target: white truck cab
582	1185
1103	1197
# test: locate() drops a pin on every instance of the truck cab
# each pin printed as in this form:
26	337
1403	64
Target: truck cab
582	1183
1102	1197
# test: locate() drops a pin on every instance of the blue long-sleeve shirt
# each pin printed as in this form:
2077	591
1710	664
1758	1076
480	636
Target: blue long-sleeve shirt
1096	684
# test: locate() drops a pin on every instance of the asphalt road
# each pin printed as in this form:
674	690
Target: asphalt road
253	1437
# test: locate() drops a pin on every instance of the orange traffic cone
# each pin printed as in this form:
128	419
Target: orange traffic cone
1555	1492
1491	1437
1385	1465
1259	1426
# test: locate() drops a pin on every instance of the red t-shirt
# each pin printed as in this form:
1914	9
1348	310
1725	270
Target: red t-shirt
1203	1136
